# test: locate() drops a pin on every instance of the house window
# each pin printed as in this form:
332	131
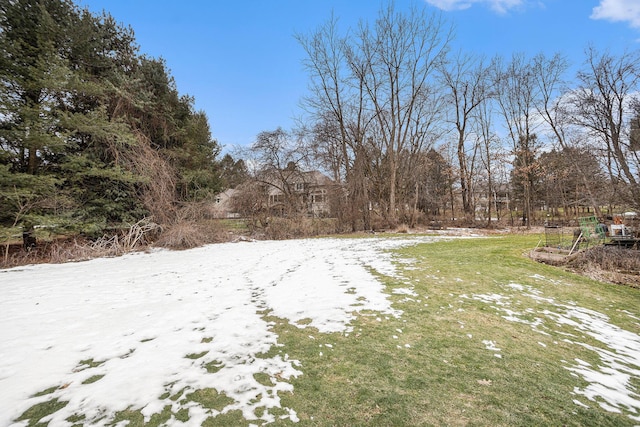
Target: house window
300	186
318	197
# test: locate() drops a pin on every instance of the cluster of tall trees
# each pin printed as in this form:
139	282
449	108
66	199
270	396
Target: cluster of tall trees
410	126
93	134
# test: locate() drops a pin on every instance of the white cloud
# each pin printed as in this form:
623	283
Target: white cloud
618	10
499	6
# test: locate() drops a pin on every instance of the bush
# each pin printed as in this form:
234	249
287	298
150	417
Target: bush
183	235
289	228
609	263
610	258
402	228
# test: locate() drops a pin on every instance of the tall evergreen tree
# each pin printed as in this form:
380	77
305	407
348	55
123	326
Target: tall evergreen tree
90	131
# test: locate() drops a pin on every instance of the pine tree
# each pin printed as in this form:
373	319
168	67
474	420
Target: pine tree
92	135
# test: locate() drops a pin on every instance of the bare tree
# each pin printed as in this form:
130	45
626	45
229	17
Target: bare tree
467	81
562	179
552	106
433	182
337	107
602	104
328	102
277	164
516	94
396	61
549	80
490	153
372	103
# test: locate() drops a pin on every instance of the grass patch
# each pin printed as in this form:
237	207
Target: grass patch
134	418
127	354
88	364
480	341
92	379
177	395
304	322
263	379
195	356
438	363
210	398
213	366
182	415
231	418
34	414
45	392
76	419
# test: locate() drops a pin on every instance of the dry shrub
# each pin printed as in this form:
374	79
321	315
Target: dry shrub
289	228
61	251
189	234
137	236
609	264
402	228
378	223
159	190
191	228
285	228
610	258
182	235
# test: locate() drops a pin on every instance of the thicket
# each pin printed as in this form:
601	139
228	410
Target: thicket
394	112
94	136
610	264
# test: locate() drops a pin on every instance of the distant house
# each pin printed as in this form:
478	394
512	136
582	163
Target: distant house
309	191
277	194
499	199
223	206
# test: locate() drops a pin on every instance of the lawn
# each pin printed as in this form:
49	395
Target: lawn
487	337
463	331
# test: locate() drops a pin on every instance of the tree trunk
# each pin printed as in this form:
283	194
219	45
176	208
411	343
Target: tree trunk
28	238
393	176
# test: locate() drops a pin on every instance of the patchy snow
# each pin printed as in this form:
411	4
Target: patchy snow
131	332
491	345
609	383
619	351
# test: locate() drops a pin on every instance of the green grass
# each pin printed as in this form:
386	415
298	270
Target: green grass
92	379
34	414
447	376
431	365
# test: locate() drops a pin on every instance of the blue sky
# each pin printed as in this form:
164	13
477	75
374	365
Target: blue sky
240	61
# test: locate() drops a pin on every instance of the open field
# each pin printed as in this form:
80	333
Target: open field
395	330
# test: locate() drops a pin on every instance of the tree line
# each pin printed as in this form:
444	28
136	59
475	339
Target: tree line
95	136
411	128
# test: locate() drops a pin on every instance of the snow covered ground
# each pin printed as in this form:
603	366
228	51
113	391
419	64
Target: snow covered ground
131	332
146	330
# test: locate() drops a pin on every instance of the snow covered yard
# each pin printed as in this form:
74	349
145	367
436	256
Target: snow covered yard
146	330
465	331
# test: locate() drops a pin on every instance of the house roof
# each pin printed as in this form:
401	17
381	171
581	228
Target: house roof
316	178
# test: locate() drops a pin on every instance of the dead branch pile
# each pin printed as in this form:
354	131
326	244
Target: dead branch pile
609	264
136	237
139	235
